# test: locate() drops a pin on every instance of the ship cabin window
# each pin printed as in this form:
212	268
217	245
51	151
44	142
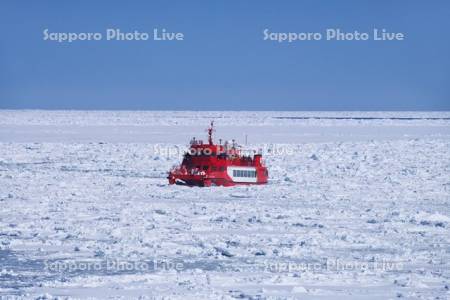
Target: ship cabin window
221	169
205	168
221	156
213	168
244	173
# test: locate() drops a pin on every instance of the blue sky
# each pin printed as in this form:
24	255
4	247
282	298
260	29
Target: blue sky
223	62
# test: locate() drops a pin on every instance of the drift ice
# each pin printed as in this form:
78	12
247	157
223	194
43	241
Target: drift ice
207	164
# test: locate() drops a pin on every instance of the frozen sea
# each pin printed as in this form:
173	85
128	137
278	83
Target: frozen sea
357	207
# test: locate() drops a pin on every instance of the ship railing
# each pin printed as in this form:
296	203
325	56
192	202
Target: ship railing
179	170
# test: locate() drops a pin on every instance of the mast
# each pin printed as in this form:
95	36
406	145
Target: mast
210	132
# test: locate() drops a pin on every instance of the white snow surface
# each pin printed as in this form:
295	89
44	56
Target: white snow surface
357	207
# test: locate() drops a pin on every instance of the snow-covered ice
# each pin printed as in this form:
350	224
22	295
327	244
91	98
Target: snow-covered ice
358	207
